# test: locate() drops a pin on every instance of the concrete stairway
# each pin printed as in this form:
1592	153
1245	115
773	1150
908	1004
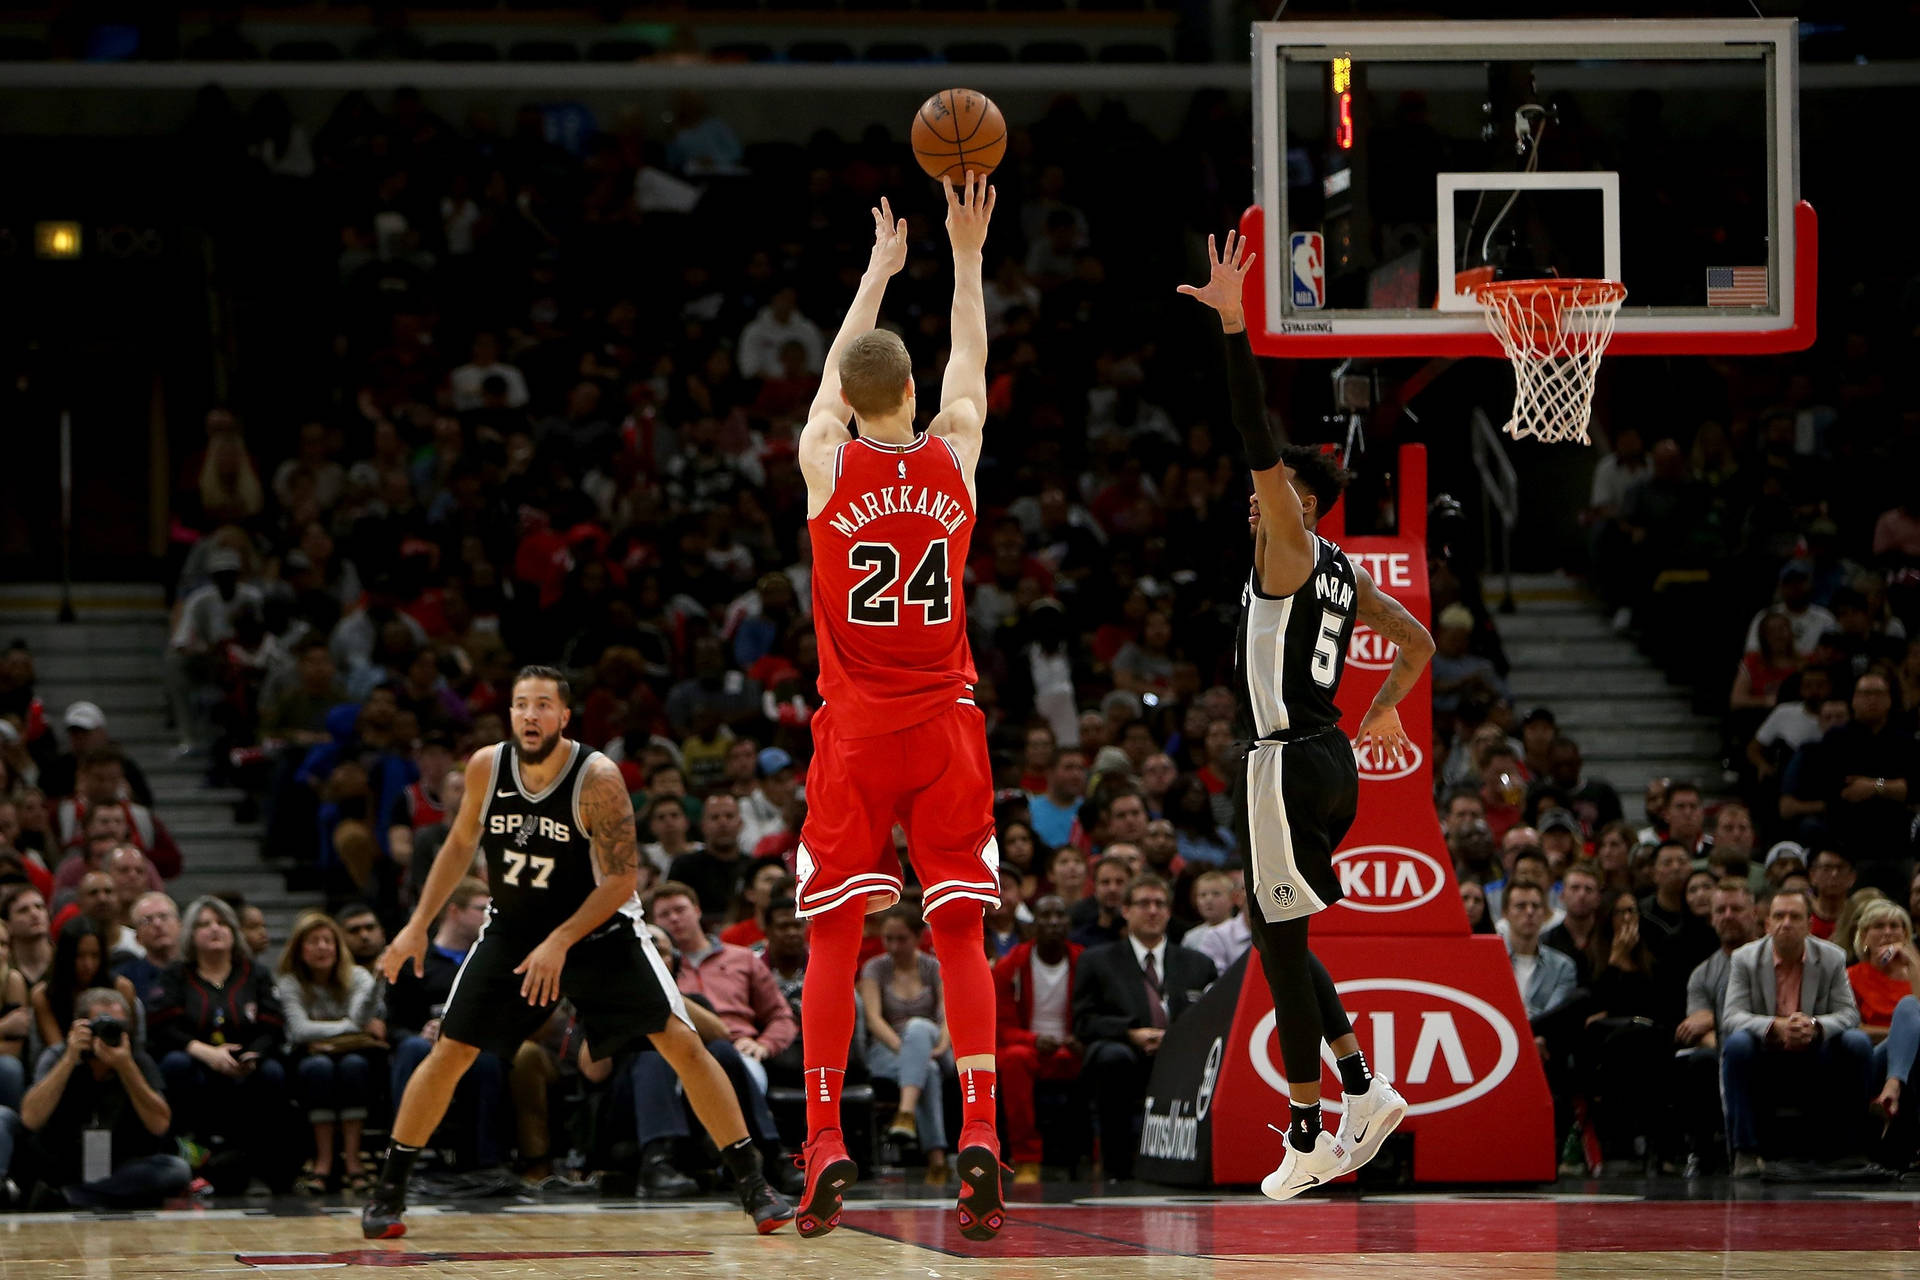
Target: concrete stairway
112	656
1631	724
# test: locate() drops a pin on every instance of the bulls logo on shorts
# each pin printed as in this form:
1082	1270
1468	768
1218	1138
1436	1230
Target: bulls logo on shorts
1283	894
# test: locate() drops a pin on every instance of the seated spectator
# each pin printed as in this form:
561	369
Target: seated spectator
207	618
478	1121
1790	1029
86	727
1698	1034
23	911
1613	854
1033	987
763	809
80	963
1592	799
1067	875
16	1022
1561	841
219	1030
1731	852
366	937
423	802
1053	811
718	868
1853	786
1006	926
156	927
253	924
768	883
97	901
907	1020
1544	975
1223	934
1763	671
1833	877
1456	672
1852	647
730	978
1579	906
1685	817
1125	996
1099	918
1808	620
1626	1037
1845	927
98	1072
1886	988
1473	900
1198	838
1676	938
338	1042
1700	882
667	819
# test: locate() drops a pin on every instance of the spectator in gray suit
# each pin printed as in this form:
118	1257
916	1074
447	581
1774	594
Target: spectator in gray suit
1545	976
1790	1028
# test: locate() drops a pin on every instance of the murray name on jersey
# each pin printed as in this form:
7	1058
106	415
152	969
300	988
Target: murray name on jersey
529	825
900	499
1332	591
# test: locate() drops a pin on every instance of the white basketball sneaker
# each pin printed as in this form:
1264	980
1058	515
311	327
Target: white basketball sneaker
1368	1119
1304	1170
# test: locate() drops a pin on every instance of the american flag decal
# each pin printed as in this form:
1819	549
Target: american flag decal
1736	286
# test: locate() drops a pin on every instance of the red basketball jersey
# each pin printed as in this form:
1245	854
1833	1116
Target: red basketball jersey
889	604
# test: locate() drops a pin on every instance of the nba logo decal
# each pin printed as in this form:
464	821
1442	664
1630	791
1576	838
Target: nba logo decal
1307	258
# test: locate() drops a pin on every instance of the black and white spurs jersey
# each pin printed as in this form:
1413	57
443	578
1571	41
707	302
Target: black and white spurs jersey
539	856
1292	650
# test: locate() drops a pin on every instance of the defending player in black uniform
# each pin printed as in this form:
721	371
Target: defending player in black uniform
1296	798
556	824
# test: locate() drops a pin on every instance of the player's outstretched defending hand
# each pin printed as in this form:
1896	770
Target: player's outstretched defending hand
889	242
968	212
408	944
1228	277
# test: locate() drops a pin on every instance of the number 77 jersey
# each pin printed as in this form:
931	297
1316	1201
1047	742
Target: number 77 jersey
889	608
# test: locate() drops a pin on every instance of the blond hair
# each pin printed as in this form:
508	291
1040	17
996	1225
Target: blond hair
1874	913
874	372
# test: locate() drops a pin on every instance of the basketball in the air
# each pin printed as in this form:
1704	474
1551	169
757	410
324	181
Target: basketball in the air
956	130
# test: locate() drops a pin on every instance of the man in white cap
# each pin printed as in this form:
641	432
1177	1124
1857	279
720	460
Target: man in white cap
86	727
206	622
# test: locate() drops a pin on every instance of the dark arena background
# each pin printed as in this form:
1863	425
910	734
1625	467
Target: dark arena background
355	355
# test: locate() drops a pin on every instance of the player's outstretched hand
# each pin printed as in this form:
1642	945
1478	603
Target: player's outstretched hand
968	212
889	241
408	944
1227	277
1382	732
542	966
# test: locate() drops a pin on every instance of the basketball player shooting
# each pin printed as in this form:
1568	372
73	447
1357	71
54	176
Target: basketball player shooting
891	517
1297	795
556	824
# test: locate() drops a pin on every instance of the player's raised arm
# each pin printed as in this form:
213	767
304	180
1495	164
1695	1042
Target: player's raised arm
826	427
1288	548
1380	727
963	391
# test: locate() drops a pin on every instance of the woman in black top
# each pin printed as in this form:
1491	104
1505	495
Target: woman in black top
219	1030
1626	1041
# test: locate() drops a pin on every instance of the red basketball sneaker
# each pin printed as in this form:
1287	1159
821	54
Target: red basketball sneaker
829	1172
982	1209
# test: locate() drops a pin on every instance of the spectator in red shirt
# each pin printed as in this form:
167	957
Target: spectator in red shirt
1033	987
731	979
1886	986
768	883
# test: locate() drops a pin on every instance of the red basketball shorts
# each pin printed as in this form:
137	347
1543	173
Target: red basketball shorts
932	778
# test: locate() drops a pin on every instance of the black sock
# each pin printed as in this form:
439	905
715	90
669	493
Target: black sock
742	1160
398	1168
1305	1129
1354	1076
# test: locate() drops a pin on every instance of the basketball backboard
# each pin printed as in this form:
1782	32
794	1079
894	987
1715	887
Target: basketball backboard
1401	162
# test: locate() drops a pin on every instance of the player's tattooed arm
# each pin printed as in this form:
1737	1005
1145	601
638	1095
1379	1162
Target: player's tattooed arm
1391	618
607	812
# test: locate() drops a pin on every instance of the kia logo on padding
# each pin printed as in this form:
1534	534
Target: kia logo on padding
1369	650
1375	769
1441	1047
1387	877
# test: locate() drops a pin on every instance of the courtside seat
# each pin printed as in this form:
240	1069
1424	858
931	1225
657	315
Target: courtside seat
979	51
789	1105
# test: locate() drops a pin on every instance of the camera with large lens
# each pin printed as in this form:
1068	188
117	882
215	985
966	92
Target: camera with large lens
108	1030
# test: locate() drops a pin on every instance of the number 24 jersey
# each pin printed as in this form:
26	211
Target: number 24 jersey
889	604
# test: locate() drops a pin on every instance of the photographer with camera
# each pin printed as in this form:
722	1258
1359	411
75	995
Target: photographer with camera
99	1114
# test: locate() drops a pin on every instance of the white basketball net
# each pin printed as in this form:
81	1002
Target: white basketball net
1554	331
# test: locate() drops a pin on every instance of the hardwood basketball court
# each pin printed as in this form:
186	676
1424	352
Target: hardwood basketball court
1720	1230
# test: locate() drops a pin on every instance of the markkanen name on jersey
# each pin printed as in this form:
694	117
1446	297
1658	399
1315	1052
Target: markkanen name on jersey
899	500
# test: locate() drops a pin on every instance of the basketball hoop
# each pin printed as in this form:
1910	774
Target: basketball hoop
1554	331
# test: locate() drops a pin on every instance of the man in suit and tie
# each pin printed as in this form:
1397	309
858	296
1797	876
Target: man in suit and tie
1790	1027
1125	996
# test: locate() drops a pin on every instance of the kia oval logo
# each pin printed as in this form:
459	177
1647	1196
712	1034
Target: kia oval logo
1387	877
1375	769
1441	1047
1369	650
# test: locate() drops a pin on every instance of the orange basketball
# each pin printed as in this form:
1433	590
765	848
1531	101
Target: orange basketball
956	130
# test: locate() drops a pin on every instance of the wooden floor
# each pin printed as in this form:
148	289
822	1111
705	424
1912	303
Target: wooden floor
1755	1232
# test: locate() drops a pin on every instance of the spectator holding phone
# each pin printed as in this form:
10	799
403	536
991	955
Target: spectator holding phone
219	1028
99	1114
